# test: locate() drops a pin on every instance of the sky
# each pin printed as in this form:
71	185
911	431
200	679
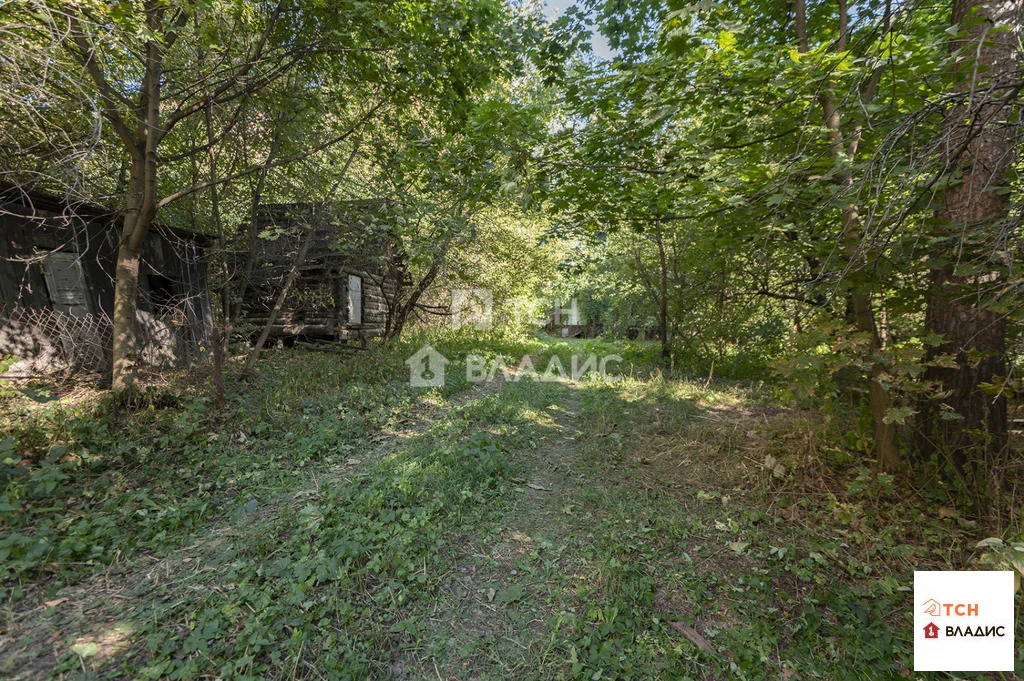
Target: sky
597	41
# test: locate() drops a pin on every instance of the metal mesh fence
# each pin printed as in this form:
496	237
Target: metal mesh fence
52	341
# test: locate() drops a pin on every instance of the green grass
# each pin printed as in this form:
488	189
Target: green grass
334	522
103	482
783	581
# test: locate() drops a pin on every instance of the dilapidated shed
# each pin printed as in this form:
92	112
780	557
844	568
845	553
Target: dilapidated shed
344	284
57	260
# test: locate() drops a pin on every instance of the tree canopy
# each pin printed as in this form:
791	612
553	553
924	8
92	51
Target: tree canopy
824	190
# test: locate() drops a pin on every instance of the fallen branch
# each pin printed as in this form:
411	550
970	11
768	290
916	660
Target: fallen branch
693	637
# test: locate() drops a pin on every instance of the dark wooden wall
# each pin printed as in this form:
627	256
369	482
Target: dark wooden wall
317	307
31	226
25	235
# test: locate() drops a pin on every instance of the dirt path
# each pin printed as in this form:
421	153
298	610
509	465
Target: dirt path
92	614
491	607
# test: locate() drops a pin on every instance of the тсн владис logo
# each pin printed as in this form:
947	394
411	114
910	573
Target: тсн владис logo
934	608
963	621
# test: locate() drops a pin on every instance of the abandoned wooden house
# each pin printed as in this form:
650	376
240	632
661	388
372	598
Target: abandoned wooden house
344	282
57	261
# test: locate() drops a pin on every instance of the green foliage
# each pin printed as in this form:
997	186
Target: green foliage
1002	555
594	518
375	533
696	172
794	584
696	181
81	486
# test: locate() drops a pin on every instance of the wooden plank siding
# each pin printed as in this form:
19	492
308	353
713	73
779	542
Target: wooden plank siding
83	240
318	307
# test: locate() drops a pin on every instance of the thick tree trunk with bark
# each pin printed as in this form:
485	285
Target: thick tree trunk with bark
141	210
137	220
980	144
135	117
126	291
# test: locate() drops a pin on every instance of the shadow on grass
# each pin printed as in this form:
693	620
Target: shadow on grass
313	583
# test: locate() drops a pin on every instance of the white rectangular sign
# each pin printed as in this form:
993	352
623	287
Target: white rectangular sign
963	621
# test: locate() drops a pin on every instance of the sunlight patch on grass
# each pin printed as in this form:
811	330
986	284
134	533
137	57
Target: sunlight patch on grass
541	418
95	649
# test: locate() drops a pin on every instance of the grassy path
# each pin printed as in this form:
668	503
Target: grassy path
489	618
639	546
641	529
105	626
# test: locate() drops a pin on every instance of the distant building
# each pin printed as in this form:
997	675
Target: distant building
564	322
57	261
352	270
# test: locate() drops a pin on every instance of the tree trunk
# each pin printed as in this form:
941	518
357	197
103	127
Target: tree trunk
980	145
219	344
401	316
136	223
663	302
879	399
141	210
126	292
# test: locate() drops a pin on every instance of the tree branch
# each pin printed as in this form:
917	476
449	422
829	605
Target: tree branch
284	161
86	55
213	97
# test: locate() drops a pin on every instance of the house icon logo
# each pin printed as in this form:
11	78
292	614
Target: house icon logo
426	368
963	620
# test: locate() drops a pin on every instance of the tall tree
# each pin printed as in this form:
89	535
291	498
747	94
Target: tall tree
144	101
154	70
967	269
843	150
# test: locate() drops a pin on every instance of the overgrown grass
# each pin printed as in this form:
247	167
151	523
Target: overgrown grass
779	587
704	506
83	485
325	578
542	531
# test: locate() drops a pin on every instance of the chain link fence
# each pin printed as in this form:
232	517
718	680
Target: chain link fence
48	341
